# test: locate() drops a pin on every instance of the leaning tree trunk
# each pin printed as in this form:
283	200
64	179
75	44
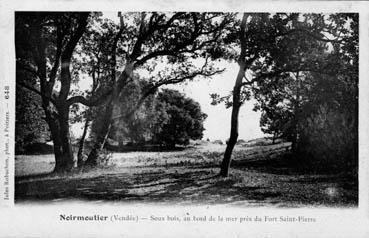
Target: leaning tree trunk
81	144
102	135
226	163
107	121
234	123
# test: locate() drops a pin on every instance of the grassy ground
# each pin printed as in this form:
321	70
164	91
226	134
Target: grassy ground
260	176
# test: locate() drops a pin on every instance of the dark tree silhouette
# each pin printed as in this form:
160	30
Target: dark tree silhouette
45	43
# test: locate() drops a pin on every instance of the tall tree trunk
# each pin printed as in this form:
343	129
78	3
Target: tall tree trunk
81	144
226	163
64	159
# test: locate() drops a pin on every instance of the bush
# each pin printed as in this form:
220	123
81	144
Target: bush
329	138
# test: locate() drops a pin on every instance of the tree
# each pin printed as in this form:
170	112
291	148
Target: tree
44	47
318	108
46	44
273	46
281	105
150	41
276	123
185	119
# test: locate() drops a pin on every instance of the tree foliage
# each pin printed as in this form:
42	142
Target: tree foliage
185	119
316	108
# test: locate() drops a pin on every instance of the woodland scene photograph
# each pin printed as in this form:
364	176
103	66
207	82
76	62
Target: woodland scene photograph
189	108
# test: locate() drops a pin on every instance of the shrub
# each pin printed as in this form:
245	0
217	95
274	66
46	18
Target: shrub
329	138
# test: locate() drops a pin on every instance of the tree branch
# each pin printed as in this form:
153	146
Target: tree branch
142	35
89	102
311	34
182	46
69	48
67	55
30	70
286	70
55	67
175	80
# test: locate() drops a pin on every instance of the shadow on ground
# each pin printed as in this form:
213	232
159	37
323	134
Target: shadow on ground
261	176
202	186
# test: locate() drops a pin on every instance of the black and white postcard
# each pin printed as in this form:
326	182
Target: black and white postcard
186	119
